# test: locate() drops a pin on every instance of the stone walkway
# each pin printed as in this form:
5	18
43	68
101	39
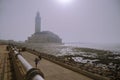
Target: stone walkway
53	71
5	72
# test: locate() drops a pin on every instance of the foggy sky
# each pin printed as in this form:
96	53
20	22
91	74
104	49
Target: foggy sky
91	21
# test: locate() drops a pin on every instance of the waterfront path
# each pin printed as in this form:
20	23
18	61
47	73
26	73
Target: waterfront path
5	71
53	71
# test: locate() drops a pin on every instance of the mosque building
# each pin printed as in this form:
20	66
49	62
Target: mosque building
42	36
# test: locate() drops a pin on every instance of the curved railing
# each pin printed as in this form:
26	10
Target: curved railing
30	72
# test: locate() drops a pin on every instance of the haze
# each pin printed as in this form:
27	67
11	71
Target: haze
88	21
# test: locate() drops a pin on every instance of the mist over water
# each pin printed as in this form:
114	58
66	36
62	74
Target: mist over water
111	47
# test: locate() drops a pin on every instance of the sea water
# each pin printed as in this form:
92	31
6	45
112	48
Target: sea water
111	47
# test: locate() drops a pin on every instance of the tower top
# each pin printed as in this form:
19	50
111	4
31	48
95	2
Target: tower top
38	13
37	23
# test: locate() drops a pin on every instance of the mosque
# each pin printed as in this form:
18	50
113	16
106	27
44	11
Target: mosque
42	36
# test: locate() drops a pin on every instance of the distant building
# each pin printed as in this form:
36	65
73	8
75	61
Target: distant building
38	23
44	36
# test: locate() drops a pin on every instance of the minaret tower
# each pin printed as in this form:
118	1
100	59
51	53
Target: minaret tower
37	23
